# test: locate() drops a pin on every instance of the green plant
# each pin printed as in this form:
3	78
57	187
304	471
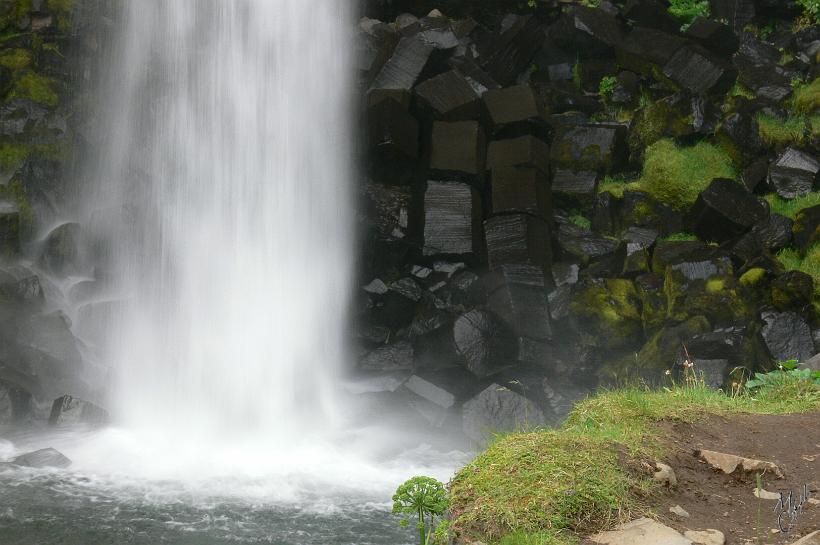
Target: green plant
581	221
809	264
776	131
786	380
806	99
424	498
607	86
679	237
811	8
790	207
687	10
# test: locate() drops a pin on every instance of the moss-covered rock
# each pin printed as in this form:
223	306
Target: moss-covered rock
792	290
609	313
668	117
706	288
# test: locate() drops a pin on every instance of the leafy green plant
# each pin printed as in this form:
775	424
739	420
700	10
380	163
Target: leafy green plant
786	378
424	498
607	86
811	8
687	10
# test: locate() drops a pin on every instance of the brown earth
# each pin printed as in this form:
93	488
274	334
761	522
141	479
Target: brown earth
727	502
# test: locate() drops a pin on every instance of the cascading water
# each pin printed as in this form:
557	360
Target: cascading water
233	151
223	211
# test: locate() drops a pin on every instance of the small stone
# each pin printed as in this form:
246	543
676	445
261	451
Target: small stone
811	539
643	531
706	537
47	457
729	463
764	494
376	286
665	475
679	511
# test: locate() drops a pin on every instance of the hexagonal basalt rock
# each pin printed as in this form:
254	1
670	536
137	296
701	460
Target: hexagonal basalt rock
794	174
452	219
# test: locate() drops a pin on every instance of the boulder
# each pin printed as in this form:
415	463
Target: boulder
806	228
699	71
430	391
452	219
575	189
731	463
642	531
739	13
508	52
403	69
393	142
47	457
609	313
627	89
742	132
775	233
787	336
374	44
706	537
516	111
650	13
25	291
713	372
68	410
792	290
518	296
793	174
499	409
589	31
588	248
436	31
483	342
517	239
524	151
597	147
646	50
61	250
391	357
406	287
714	36
479	80
638	209
458	147
449	96
521	189
725	210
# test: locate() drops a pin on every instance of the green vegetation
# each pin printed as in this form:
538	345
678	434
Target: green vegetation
810	264
687	10
806	98
790	207
425	499
580	221
675	175
786	378
15	59
776	131
680	237
811	8
740	90
607	86
35	87
616	184
553	486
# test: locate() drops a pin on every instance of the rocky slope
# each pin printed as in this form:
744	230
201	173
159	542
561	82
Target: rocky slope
565	196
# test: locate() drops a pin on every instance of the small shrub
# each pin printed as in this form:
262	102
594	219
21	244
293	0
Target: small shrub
687	10
580	221
424	498
811	9
776	131
806	98
786	381
607	86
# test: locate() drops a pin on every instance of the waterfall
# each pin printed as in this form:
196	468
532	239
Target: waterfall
223	202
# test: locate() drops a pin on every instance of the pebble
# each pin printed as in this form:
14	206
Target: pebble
679	511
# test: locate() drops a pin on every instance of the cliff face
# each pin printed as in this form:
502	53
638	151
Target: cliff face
563	196
48	51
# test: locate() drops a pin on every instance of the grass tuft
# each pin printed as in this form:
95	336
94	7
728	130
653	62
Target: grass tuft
775	131
550	487
790	207
806	98
792	261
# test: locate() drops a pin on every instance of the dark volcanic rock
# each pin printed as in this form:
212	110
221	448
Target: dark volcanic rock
583	244
498	409
646	50
516	110
449	96
390	357
589	31
698	71
483	342
403	68
458	147
67	410
793	174
508	52
787	336
574	189
714	36
47	457
61	251
393	137
9	228
520	299
738	12
725	210
517	238
807	228
521	189
598	147
15	403
792	290
650	13
522	151
452	219
743	132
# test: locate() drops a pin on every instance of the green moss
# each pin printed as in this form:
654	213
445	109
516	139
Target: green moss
12	155
740	90
792	261
15	59
791	207
616	184
612	307
580	221
551	487
753	277
15	191
715	285
780	132
806	98
658	120
679	237
14	14
35	87
687	10
675	175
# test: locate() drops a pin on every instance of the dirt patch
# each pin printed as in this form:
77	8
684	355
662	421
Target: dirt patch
727	502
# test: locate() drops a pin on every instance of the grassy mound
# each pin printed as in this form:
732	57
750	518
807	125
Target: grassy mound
551	487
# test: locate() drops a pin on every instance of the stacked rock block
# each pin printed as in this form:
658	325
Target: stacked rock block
515	194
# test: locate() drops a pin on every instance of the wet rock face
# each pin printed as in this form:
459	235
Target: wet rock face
47	457
498	408
787	336
725	210
67	410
